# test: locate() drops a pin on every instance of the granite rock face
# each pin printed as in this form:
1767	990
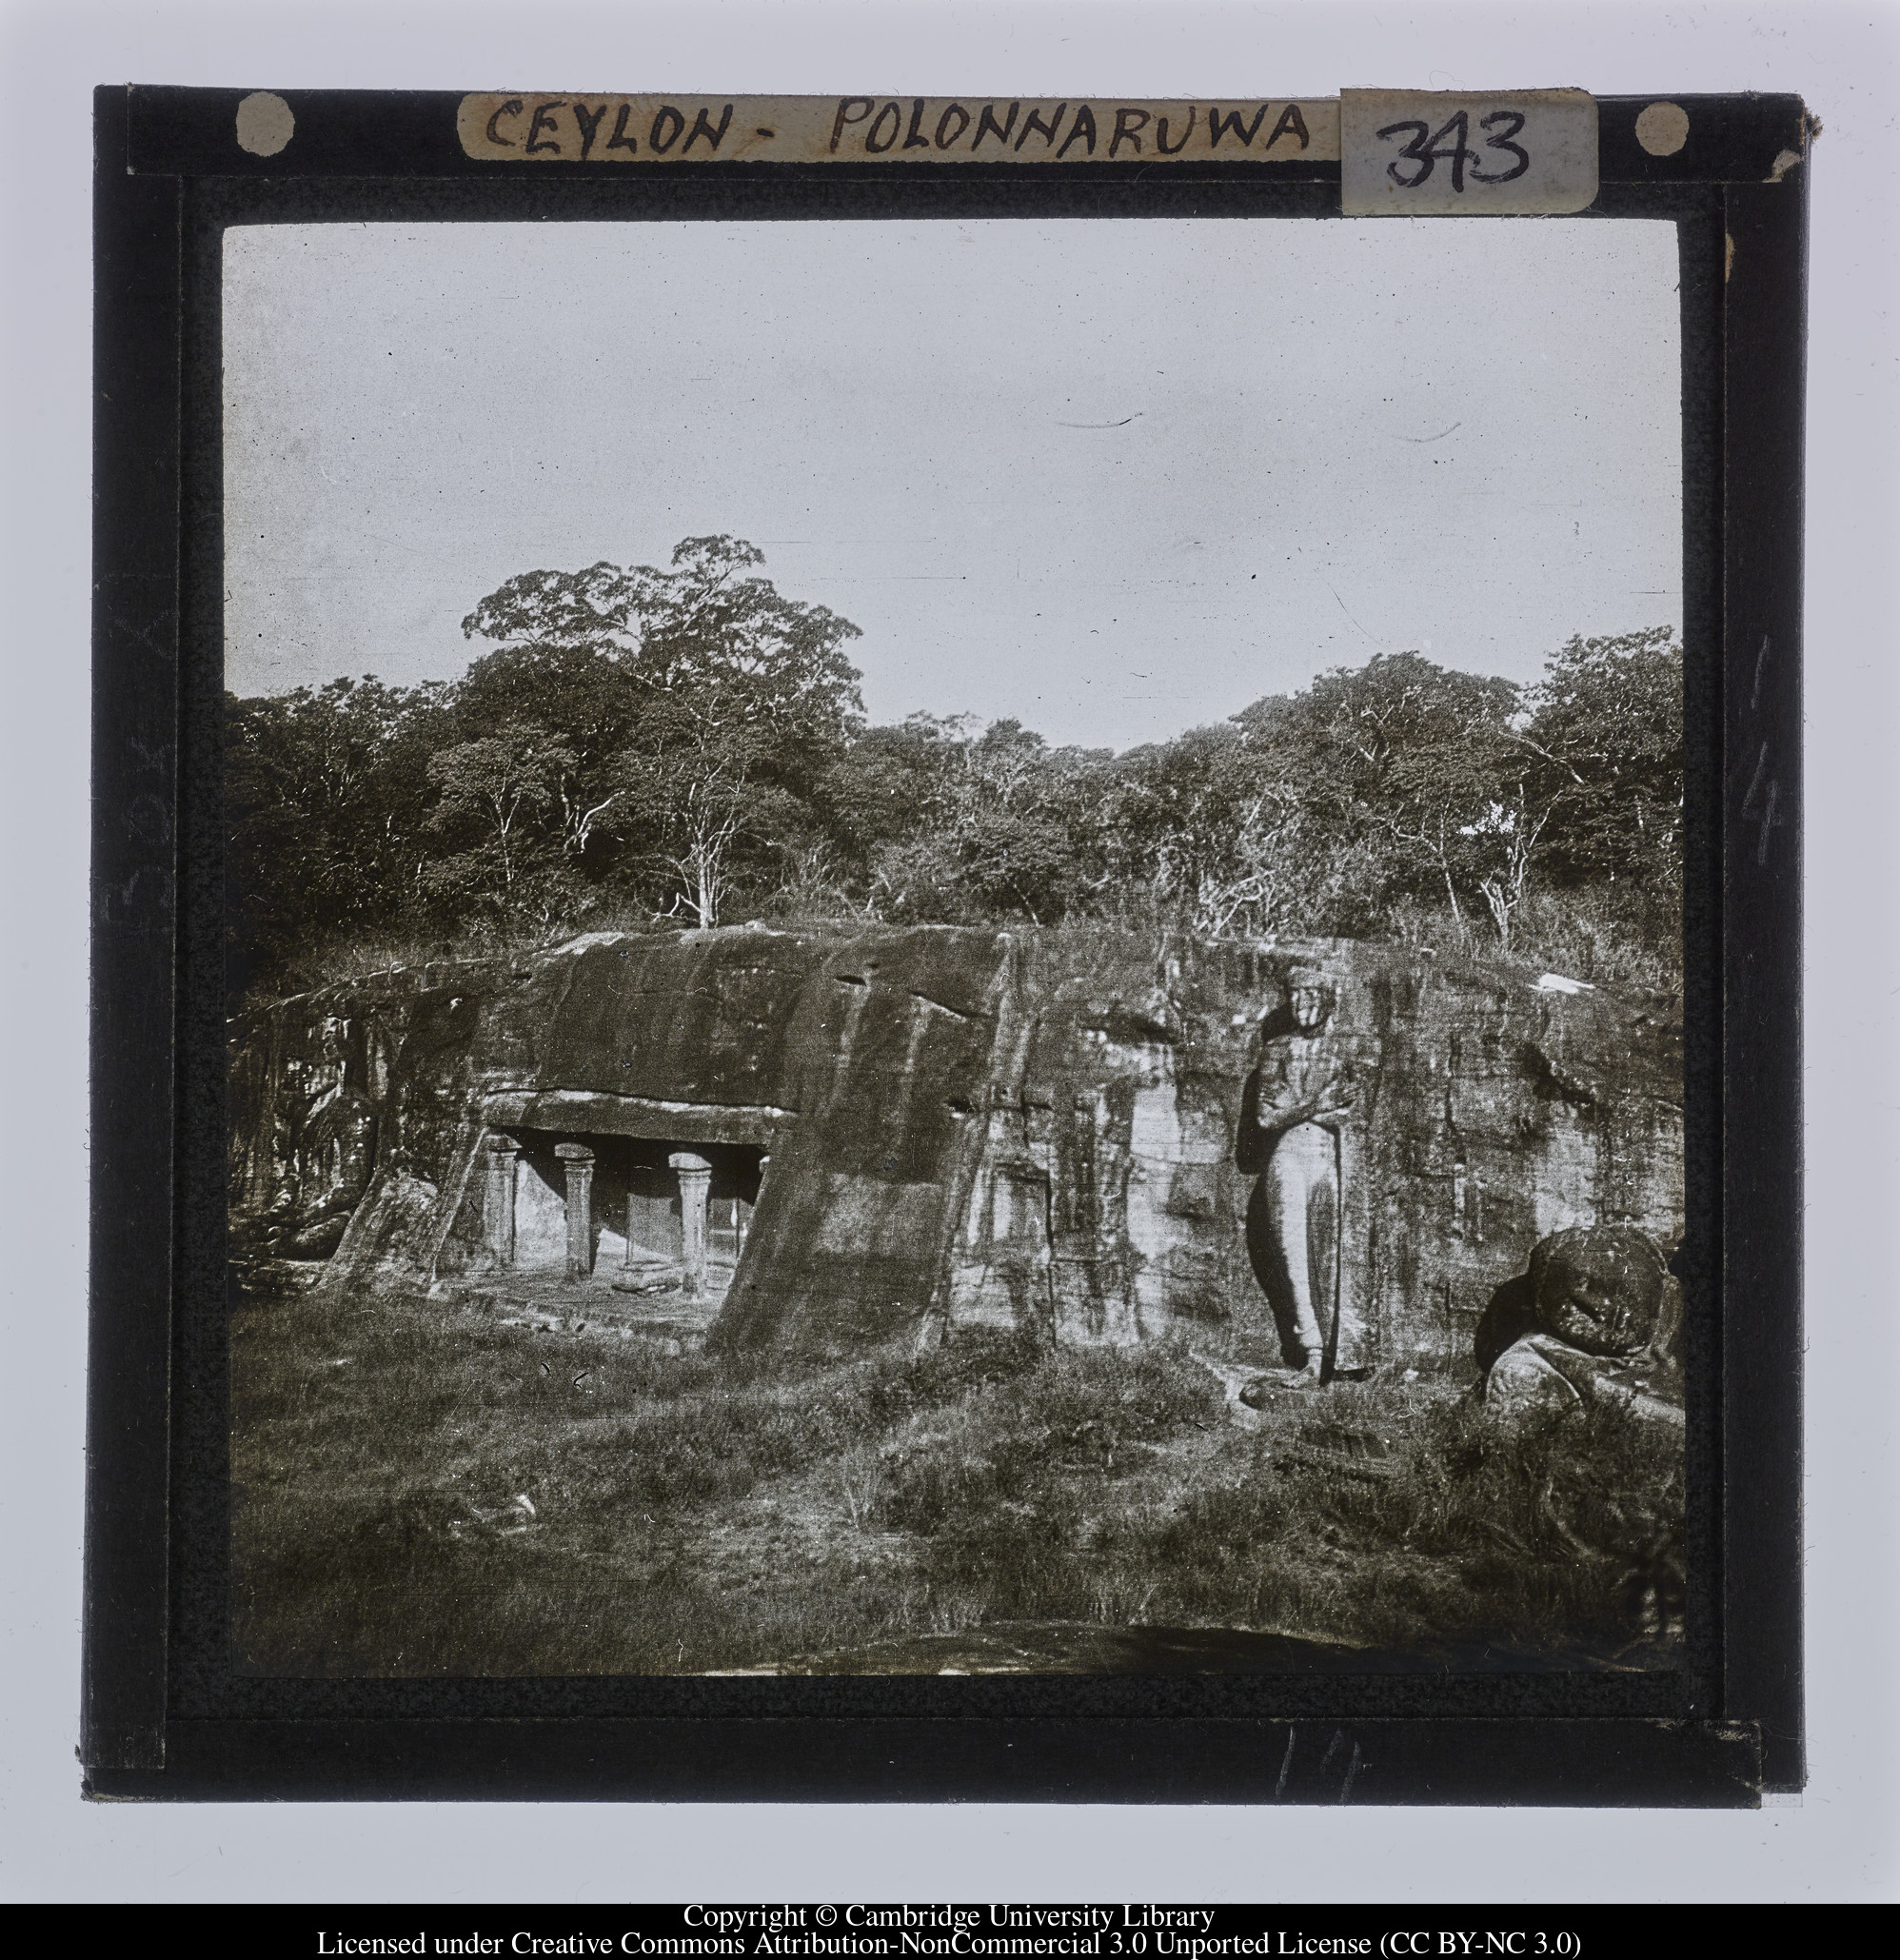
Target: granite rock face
940	1126
1540	1377
1600	1289
1595	1319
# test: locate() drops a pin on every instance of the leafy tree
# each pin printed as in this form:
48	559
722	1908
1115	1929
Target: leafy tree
955	821
729	649
700	689
1412	752
1209	829
1605	741
579	692
327	791
495	796
685	741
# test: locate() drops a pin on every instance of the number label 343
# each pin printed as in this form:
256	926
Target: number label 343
1524	153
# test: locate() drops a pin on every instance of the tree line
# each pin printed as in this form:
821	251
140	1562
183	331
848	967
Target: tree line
686	747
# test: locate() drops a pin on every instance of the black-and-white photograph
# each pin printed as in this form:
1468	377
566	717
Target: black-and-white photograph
955	947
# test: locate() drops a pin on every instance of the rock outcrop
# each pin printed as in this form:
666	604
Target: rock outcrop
1596	1318
929	1127
1601	1289
1541	1376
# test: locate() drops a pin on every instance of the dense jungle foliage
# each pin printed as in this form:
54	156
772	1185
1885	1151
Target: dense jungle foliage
645	749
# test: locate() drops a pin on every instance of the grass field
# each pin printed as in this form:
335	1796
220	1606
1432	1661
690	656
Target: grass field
419	1489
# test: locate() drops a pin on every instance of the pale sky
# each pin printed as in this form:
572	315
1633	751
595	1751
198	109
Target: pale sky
1115	479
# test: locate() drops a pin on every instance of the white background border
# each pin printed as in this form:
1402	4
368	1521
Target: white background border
1841	1842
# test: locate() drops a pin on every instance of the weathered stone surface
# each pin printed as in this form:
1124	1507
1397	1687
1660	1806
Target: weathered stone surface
1014	1128
1594	1318
1603	1289
387	1241
1599	1288
1541	1376
1524	1384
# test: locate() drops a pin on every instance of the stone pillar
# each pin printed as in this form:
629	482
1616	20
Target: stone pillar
695	1175
578	1161
497	1200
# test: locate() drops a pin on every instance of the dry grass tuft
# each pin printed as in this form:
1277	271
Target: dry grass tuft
420	1490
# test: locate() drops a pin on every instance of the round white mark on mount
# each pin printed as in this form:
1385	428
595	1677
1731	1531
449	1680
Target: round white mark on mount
1662	129
265	124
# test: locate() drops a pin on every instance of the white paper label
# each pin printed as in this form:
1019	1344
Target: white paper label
595	128
1527	153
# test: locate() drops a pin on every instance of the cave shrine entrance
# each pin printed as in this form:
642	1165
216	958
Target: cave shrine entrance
641	1214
